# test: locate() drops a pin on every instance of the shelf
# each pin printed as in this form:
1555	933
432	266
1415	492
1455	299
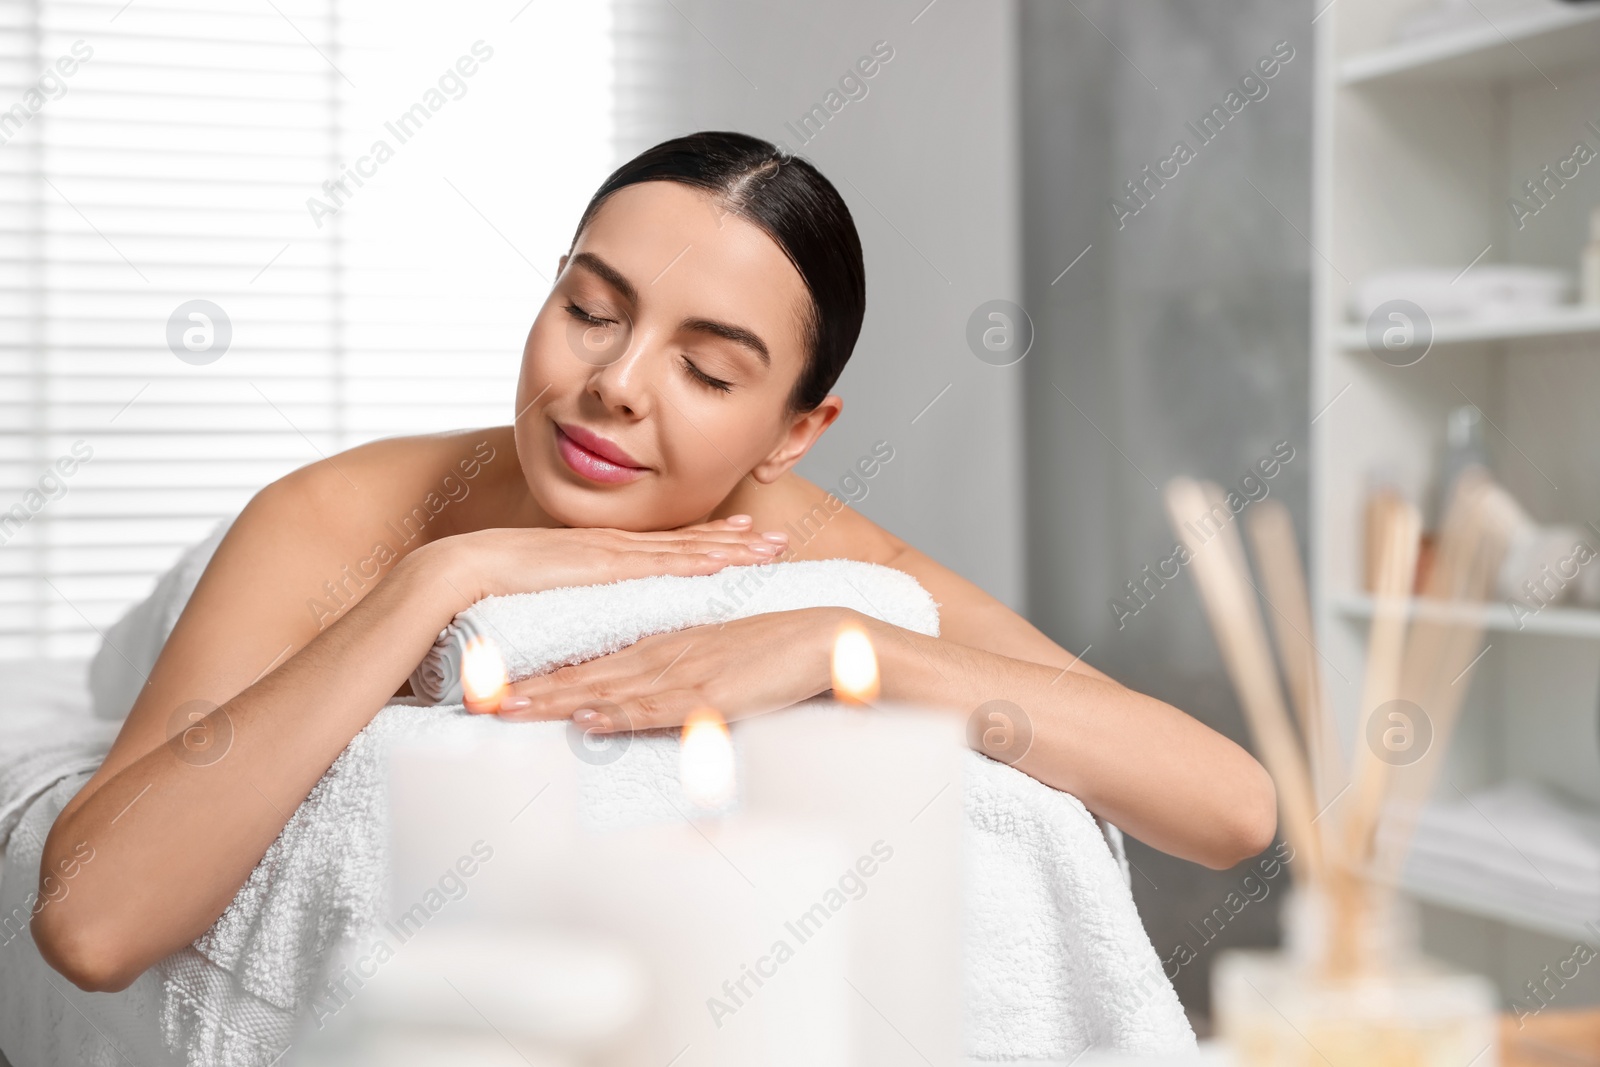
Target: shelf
1561	622
1538	44
1557	322
1519	854
1492	907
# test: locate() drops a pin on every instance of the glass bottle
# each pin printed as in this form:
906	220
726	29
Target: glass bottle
1351	988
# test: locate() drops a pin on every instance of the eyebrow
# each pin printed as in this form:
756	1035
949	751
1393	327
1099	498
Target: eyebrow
725	330
608	274
737	334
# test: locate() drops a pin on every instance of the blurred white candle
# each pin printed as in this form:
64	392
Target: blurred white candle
706	903
819	924
713	921
889	783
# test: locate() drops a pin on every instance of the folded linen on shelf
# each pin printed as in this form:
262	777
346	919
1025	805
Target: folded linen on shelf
1517	845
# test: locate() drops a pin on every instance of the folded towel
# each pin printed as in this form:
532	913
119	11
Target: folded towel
129	648
1517	845
37	750
46	1021
1489	291
1057	959
592	616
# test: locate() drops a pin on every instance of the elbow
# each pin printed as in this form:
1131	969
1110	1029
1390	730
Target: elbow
83	957
1251	823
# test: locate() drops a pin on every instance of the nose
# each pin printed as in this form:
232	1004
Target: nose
624	384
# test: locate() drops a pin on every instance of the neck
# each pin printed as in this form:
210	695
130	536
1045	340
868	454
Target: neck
503	498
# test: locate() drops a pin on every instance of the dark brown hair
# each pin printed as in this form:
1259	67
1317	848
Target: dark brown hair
798	208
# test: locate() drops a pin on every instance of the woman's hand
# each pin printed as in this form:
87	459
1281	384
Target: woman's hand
740	668
502	561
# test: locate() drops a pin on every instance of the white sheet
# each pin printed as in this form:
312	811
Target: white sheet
1057	956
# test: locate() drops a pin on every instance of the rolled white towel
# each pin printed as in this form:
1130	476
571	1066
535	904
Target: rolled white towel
599	619
437	679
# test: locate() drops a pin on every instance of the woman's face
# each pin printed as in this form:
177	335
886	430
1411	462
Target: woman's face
657	373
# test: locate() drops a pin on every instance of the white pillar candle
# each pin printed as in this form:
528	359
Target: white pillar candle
888	781
721	910
711	908
821	923
471	993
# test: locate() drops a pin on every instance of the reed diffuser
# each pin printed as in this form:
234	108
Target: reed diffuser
1350	986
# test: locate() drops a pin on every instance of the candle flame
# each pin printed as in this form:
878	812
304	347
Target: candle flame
483	672
705	759
855	665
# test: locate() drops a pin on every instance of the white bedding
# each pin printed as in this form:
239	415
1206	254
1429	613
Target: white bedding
1057	957
45	704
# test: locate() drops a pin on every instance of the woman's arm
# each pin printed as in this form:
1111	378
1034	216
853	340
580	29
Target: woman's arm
176	832
1156	773
175	836
1152	770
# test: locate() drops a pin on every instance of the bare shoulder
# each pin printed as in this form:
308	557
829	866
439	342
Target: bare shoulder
821	526
304	550
410	489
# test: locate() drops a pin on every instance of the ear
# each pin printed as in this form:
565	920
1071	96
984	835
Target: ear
561	266
803	433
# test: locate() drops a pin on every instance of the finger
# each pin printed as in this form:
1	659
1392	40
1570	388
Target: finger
744	550
558	693
733	524
646	563
728	522
543	706
690	538
605	679
647	711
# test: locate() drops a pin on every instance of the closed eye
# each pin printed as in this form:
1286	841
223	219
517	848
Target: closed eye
583	316
695	372
706	379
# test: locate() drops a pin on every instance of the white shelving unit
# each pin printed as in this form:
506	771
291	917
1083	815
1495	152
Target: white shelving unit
1504	48
1558	322
1419	145
1561	622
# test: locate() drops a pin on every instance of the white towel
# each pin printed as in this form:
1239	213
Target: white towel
1517	843
38	749
599	619
122	663
1057	959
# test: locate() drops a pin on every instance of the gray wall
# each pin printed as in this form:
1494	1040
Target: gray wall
927	161
1182	337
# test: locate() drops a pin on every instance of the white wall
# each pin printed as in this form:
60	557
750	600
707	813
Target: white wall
927	161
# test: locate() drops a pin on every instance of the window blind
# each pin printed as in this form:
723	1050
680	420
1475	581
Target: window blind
240	237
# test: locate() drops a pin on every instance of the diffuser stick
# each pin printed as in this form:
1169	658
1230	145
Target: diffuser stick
1398	530
1272	538
1449	631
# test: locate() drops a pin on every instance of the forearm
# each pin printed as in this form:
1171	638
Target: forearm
1153	771
174	837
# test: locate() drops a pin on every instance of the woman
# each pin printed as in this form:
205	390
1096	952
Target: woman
676	373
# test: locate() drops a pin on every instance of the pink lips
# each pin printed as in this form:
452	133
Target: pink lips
594	457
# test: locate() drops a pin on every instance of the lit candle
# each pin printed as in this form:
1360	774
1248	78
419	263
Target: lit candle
705	759
889	783
855	665
722	910
483	674
820	923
